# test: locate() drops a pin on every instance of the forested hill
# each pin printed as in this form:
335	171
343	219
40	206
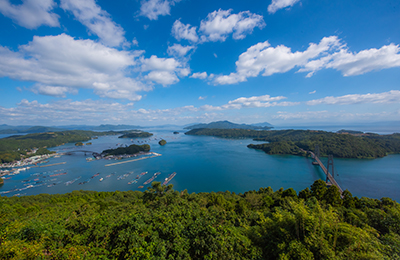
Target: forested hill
13	147
161	223
297	141
136	134
229	125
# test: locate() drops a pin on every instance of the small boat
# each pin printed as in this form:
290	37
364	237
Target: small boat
101	179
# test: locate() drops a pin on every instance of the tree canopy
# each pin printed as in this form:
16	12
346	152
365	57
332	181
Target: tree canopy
162	223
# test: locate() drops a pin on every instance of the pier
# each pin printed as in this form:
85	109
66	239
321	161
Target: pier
134	160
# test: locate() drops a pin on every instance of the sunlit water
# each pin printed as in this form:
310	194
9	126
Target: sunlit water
205	164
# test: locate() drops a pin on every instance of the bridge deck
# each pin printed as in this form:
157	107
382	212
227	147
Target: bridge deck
328	175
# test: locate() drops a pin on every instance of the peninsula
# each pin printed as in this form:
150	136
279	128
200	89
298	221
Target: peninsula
136	134
296	142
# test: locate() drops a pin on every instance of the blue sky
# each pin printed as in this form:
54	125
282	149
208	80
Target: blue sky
152	62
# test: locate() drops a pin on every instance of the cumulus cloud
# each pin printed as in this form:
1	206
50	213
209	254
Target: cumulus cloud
66	112
280	4
54	91
251	102
154	8
62	61
351	64
179	50
198	75
31	13
392	96
202	98
96	20
268	60
219	24
330	52
181	31
164	78
163	71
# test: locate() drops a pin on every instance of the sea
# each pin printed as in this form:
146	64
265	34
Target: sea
202	164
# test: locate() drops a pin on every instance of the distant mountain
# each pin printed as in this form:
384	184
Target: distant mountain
28	129
228	125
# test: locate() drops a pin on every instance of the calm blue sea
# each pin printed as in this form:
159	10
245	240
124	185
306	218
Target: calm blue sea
205	164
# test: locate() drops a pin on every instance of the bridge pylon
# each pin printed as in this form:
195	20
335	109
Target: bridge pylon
316	154
330	164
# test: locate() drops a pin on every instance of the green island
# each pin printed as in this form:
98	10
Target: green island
162	142
19	146
130	150
79	144
161	223
296	142
136	134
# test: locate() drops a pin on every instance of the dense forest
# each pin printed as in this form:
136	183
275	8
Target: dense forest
13	147
297	141
161	223
136	134
132	149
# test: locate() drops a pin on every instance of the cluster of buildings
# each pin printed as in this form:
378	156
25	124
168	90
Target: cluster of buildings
7	168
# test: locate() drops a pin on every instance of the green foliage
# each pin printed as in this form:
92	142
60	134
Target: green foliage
13	147
132	149
136	134
162	142
79	144
162	223
296	142
42	151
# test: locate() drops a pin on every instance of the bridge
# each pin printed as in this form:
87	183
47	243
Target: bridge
95	154
329	177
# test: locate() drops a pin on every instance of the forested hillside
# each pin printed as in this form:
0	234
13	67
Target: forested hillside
294	141
13	147
161	223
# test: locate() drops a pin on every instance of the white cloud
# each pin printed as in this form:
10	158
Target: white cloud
179	50
312	92
163	70
303	115
329	53
164	78
219	24
66	112
135	42
62	61
251	102
96	20
279	4
155	63
198	75
54	91
351	64
392	96
202	98
262	58
181	31
153	8
31	13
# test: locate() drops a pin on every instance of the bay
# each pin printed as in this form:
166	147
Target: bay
204	164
